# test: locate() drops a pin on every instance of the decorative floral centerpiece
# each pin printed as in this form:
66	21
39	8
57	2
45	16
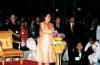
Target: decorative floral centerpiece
58	36
58	46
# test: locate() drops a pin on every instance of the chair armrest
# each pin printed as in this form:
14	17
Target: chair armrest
15	41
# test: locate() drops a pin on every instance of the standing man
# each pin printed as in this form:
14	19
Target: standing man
58	26
72	36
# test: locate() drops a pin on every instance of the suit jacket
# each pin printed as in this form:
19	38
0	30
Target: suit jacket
72	37
60	29
81	59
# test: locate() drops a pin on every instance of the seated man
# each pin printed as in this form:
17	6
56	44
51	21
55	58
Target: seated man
93	58
78	54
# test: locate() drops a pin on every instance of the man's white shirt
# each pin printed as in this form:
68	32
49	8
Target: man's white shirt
71	24
96	48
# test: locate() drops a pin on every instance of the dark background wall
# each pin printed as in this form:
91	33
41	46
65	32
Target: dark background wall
61	8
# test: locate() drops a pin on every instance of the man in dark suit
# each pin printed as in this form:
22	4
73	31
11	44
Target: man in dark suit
58	26
72	33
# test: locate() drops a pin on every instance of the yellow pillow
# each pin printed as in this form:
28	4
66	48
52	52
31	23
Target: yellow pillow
6	42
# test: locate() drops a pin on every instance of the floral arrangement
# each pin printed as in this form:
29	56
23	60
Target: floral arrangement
59	46
58	36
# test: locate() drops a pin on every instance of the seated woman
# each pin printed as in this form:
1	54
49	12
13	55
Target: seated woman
78	54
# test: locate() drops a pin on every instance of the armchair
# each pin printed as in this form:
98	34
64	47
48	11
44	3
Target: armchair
6	46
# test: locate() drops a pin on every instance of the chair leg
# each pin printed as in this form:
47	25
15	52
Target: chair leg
11	59
21	59
3	60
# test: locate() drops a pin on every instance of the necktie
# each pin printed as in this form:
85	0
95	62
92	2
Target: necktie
72	26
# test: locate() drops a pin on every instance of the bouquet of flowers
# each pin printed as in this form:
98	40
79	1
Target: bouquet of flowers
58	36
59	46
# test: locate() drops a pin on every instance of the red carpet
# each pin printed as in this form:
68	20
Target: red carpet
25	62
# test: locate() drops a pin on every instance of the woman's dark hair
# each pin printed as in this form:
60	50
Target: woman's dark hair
46	14
79	42
31	21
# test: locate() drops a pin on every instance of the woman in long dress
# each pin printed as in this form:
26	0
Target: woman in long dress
44	52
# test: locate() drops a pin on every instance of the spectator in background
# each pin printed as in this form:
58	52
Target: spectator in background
32	29
72	36
37	21
24	34
37	24
26	25
58	26
15	29
22	19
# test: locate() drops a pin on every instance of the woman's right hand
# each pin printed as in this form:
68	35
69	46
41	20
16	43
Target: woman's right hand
55	31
